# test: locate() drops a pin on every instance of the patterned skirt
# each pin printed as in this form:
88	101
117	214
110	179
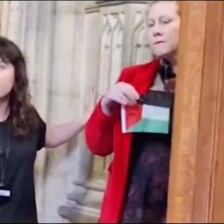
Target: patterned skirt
146	200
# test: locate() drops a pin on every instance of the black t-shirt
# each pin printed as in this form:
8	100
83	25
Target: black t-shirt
19	174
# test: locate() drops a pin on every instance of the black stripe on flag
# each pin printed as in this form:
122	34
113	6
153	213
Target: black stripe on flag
158	98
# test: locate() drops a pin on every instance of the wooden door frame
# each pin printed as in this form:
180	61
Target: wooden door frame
197	159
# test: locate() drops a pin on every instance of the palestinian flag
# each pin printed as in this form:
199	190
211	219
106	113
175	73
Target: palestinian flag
153	114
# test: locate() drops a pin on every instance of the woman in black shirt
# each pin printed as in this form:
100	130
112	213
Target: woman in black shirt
22	134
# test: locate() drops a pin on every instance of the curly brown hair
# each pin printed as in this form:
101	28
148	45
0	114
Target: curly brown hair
22	114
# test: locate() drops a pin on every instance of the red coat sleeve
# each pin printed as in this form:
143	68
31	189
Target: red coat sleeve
99	128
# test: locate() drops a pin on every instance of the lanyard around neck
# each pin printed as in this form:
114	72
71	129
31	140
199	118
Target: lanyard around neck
4	156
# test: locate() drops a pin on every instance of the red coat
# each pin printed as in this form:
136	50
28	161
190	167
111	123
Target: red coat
104	136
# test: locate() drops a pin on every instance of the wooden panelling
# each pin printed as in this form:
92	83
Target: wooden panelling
196	183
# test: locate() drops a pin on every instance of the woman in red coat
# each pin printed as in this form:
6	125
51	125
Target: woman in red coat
138	181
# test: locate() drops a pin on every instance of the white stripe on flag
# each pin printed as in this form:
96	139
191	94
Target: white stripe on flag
156	113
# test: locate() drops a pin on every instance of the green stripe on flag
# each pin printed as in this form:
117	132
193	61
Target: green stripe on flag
151	126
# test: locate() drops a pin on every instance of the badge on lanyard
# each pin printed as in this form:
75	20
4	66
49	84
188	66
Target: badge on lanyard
5	195
4	192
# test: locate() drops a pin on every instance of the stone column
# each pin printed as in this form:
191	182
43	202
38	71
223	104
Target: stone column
61	107
114	37
40	19
78	199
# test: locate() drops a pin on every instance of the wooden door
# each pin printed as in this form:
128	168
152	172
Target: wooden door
197	164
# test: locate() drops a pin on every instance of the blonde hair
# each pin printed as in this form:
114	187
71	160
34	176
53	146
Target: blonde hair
150	3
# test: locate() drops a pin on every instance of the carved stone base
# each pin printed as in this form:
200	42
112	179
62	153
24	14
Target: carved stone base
83	204
76	213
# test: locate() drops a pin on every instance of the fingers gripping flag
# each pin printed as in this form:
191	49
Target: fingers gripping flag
153	114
